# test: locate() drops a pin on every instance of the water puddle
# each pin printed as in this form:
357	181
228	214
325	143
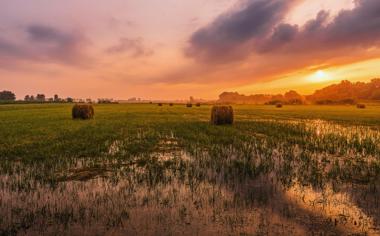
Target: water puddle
150	197
249	189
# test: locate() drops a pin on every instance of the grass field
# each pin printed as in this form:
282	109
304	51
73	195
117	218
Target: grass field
165	170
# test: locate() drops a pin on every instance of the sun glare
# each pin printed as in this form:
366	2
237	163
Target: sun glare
319	76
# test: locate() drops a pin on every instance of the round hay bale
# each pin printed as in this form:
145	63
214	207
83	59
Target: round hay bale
159	104
361	106
82	111
222	115
279	105
198	104
189	105
171	104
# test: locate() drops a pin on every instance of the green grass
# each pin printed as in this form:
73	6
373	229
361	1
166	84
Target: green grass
172	165
43	131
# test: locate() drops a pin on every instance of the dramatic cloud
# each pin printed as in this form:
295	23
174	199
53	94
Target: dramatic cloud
356	28
258	28
133	47
256	43
46	45
227	37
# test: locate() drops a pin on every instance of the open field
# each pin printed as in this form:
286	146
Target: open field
166	171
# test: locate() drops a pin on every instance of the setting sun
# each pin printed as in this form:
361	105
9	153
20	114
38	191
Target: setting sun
320	76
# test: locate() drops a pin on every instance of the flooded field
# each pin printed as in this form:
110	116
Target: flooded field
163	171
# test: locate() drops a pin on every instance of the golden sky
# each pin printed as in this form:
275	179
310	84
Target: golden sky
173	49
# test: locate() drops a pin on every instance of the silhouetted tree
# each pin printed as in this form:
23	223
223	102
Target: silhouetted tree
376	95
56	98
40	97
292	97
7	96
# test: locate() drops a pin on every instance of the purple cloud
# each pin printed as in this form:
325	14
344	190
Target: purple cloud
45	44
226	37
258	28
134	47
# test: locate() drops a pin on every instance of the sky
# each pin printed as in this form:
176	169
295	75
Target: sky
173	49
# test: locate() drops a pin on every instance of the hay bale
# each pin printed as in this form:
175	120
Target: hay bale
279	105
189	105
171	104
361	106
222	115
198	104
159	104
82	111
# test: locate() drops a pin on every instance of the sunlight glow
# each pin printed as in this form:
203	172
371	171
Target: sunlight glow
319	76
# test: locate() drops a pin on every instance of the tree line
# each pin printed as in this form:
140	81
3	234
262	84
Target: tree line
345	92
9	96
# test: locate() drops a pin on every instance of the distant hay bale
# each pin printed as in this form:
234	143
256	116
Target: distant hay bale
189	105
361	106
222	115
198	104
82	111
171	104
159	104
279	105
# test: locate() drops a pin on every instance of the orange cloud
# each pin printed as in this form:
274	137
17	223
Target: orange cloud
255	44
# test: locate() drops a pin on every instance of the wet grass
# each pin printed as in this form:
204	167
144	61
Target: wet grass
165	170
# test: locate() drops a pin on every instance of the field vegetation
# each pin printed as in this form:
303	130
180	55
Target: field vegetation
166	170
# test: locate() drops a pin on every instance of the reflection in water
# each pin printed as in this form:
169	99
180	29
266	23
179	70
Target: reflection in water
252	189
135	198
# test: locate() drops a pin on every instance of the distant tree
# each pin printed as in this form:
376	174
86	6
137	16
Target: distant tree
56	98
32	98
274	102
40	97
295	101
7	96
375	95
347	101
105	100
27	98
324	102
69	99
293	97
278	97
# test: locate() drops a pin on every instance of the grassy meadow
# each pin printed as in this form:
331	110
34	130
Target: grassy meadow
162	170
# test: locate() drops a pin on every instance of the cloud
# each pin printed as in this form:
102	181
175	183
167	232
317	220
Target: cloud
358	28
40	33
258	27
8	49
255	43
45	44
134	47
226	38
316	24
282	34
